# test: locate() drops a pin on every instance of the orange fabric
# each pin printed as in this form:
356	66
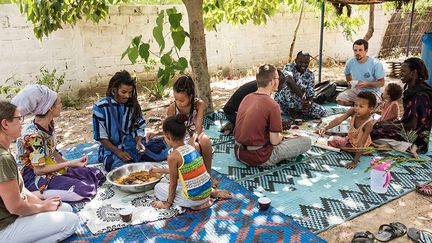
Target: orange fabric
195	173
354	134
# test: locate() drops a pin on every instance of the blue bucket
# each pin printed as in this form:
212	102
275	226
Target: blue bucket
427	53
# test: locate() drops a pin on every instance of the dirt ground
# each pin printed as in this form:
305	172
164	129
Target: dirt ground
75	126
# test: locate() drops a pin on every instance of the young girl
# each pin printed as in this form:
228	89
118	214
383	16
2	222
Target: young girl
185	165
45	169
360	126
389	107
185	102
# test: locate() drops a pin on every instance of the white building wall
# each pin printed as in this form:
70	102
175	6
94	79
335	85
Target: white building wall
89	54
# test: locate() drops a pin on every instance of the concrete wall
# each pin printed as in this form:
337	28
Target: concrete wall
89	54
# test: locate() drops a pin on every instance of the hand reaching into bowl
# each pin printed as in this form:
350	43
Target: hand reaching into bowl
159	170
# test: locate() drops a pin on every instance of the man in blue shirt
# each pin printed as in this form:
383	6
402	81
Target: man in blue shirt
363	73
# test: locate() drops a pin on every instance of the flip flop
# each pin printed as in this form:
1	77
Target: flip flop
363	237
390	231
420	236
425	190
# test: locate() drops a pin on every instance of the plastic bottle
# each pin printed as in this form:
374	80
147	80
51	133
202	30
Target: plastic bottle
380	176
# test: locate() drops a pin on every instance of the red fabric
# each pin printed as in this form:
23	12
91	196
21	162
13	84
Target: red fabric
258	114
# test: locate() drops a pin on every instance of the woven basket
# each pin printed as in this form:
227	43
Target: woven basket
361	1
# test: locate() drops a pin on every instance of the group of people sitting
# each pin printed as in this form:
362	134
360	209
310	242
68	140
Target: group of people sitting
34	195
255	118
36	192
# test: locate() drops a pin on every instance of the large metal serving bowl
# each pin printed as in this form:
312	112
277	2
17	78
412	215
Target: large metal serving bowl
126	170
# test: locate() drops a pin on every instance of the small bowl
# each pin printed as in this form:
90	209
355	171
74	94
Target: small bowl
264	203
125	214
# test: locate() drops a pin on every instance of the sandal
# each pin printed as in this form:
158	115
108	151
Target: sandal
425	189
363	237
390	231
421	236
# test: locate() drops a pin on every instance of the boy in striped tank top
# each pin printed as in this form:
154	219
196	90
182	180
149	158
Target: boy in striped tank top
189	182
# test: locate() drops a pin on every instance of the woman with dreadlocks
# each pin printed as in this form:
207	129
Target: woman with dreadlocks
118	124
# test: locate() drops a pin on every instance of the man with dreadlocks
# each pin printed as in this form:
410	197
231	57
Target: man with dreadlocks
118	124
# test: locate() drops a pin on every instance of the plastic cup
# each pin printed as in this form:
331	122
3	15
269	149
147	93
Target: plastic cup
125	215
264	203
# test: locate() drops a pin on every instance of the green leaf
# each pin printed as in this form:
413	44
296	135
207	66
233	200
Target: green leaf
183	63
174	20
166	59
158	35
160	17
136	40
124	53
178	38
144	51
133	54
172	10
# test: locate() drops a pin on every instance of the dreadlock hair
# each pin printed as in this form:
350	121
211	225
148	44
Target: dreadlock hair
175	126
124	77
186	85
415	63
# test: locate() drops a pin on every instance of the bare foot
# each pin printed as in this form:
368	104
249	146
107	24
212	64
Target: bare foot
204	205
351	165
215	183
413	151
221	194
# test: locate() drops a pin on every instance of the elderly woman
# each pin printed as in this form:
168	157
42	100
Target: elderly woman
417	116
23	216
45	170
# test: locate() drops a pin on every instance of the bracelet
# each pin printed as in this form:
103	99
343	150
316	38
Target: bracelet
170	203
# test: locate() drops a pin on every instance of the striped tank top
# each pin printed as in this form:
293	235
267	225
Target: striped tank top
193	174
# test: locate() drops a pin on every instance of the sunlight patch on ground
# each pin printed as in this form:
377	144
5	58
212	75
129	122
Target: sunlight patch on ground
231	84
333	219
352	204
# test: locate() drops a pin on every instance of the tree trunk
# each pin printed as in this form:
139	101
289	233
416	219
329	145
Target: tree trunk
198	53
295	32
370	31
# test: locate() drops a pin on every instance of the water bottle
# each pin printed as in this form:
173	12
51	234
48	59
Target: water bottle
380	176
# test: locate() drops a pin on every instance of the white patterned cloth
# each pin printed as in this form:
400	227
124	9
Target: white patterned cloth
102	212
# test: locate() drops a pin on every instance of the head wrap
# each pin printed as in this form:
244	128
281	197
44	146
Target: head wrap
35	99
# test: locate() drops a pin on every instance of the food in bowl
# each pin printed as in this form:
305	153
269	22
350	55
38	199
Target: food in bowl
139	177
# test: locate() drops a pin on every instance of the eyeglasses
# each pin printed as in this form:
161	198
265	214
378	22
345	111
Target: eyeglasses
21	118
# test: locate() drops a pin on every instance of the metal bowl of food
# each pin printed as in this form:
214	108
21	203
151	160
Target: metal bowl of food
134	177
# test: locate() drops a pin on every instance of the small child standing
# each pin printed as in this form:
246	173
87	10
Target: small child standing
189	182
389	107
360	127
